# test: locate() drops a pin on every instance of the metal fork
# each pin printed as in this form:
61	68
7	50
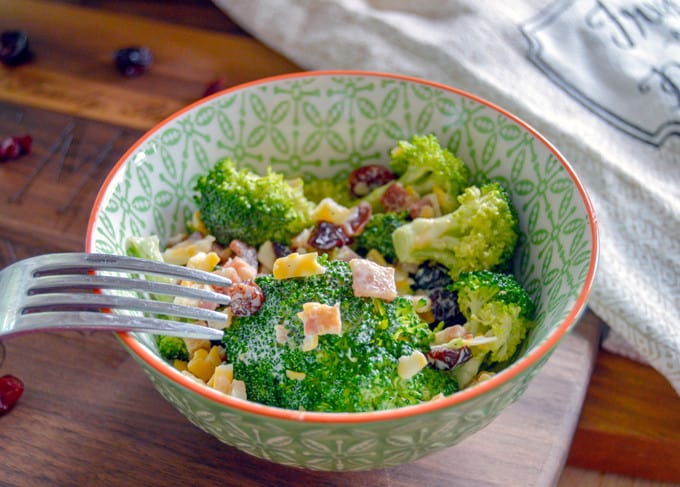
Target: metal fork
58	292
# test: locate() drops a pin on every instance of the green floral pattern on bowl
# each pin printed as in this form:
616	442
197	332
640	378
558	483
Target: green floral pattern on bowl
318	124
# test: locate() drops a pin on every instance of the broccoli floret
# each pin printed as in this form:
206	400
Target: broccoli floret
377	234
480	234
424	166
240	204
172	348
338	189
354	371
495	305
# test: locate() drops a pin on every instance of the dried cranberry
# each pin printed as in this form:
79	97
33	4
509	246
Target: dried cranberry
246	298
214	86
281	250
9	149
430	276
446	359
133	61
327	236
445	307
365	179
396	198
11	389
15	147
14	48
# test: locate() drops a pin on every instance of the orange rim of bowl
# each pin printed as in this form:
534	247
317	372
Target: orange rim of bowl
514	370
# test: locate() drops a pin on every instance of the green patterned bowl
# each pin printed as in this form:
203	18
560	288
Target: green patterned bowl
316	124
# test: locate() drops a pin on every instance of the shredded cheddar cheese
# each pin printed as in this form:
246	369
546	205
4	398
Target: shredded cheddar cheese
297	265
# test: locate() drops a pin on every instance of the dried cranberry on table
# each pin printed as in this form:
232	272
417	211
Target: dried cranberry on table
133	61
213	87
14	147
14	48
365	179
11	389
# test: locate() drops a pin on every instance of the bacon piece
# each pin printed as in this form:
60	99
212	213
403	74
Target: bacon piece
231	274
221	251
357	219
321	319
211	305
244	251
237	270
346	253
396	198
372	280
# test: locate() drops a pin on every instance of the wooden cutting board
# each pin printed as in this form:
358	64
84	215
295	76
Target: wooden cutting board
89	415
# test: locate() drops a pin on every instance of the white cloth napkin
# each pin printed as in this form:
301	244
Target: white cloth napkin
600	79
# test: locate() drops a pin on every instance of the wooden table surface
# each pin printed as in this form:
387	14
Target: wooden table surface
89	416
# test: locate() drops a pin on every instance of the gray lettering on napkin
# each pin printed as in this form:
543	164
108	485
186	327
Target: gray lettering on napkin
620	58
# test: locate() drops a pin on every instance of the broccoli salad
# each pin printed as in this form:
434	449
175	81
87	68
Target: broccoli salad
384	288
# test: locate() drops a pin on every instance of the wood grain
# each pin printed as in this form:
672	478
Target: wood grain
72	76
194	13
574	476
89	416
47	205
73	71
100	419
630	423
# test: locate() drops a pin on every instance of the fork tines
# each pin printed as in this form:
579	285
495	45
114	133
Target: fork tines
78	261
68	291
60	282
84	301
